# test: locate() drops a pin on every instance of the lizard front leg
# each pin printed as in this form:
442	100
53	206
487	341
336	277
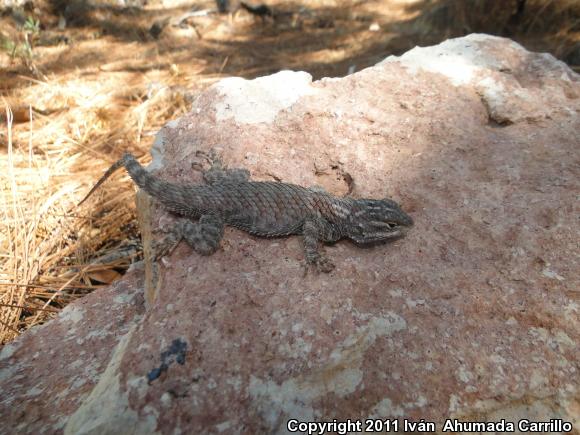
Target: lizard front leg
311	232
203	236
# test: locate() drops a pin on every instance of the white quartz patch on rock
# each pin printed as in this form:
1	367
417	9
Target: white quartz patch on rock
261	99
458	59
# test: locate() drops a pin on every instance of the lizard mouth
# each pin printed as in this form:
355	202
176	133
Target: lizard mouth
386	225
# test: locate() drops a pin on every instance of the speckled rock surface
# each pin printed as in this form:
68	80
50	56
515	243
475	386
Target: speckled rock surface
47	373
474	315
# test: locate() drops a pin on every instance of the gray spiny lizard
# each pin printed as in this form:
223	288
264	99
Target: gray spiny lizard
266	209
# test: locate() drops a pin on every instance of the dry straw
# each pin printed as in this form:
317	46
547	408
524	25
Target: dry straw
53	251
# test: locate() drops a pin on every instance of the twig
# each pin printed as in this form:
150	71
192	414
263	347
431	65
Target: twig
224	63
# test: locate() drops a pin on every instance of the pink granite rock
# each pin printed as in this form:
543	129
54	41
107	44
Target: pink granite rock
473	316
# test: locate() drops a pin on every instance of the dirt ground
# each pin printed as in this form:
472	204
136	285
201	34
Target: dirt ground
82	82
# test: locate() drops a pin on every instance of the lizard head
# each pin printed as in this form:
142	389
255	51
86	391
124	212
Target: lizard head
376	220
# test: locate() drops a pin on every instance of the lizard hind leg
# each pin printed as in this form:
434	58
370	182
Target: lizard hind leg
204	236
218	173
219	176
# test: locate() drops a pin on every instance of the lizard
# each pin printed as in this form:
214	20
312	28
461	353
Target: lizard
265	209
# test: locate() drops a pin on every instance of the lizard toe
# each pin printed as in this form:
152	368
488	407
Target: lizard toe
163	248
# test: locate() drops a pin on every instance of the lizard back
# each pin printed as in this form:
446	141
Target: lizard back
261	208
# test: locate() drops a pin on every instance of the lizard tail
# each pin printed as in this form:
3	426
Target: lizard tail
121	162
167	193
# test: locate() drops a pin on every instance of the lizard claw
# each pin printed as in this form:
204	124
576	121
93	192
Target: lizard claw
324	265
321	265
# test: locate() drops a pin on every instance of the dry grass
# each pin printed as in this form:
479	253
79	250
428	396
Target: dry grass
55	251
77	106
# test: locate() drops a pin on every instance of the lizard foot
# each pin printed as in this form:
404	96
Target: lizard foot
320	264
324	265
